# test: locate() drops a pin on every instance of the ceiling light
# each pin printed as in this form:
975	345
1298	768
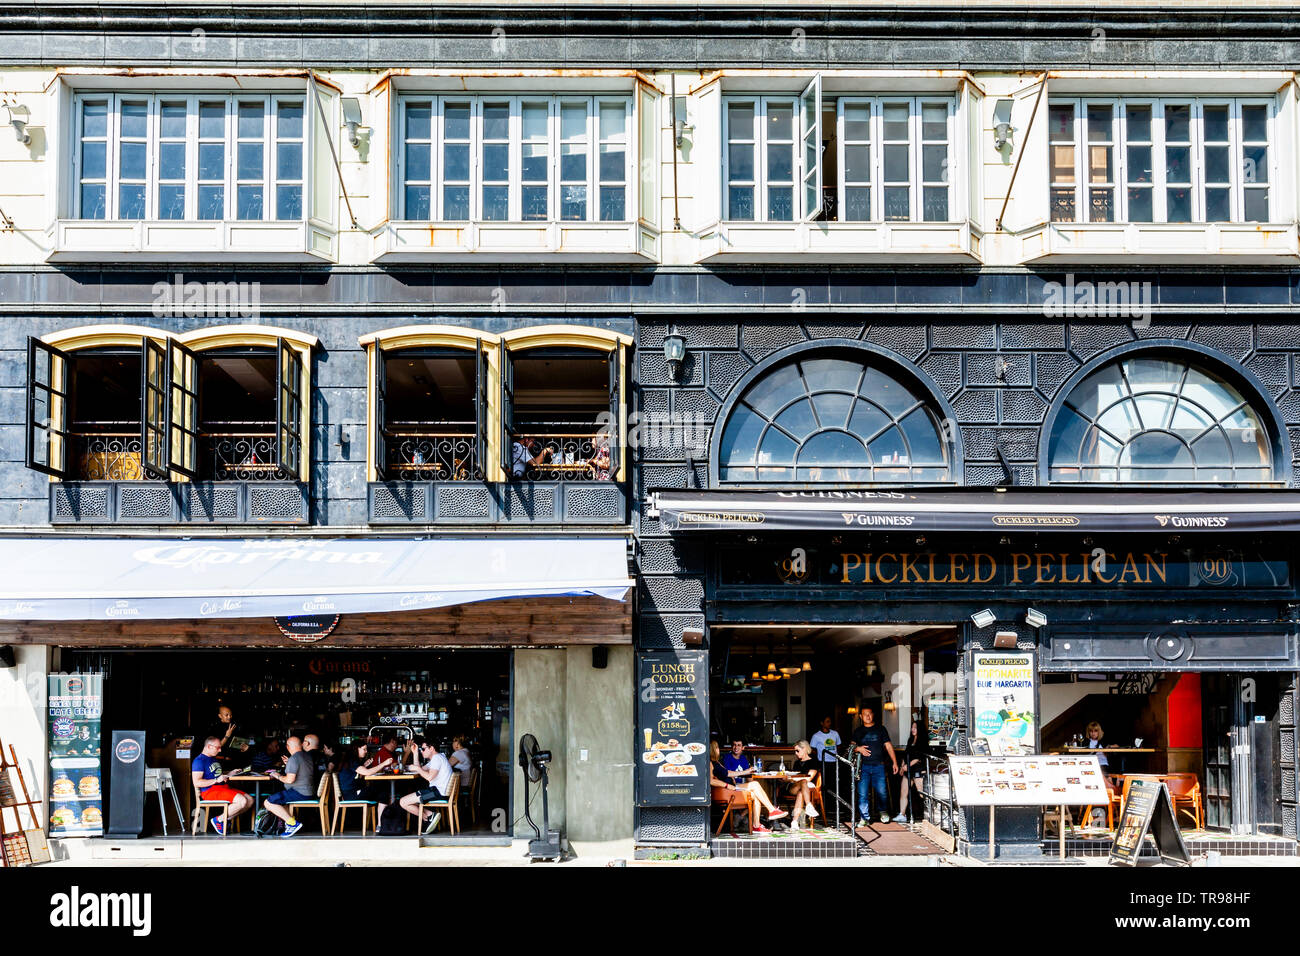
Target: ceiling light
807	665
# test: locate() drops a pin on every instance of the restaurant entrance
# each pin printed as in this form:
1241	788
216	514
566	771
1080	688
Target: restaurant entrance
459	698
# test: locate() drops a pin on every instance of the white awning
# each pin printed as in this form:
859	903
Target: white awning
79	579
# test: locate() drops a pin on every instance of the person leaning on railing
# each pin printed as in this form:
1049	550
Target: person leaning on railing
522	458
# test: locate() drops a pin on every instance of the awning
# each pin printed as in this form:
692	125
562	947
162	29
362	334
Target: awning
79	579
977	510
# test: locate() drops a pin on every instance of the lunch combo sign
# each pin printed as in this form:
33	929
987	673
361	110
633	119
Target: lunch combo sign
673	729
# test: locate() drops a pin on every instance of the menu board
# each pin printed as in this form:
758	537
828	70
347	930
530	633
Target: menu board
1002	702
76	704
1147	808
1028	780
673	728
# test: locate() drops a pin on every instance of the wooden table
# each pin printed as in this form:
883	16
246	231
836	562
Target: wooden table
256	779
392	779
1120	751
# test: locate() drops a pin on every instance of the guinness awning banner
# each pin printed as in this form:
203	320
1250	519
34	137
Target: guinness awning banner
977	510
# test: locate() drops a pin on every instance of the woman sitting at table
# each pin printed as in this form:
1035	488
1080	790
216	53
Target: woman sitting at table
352	770
751	792
804	783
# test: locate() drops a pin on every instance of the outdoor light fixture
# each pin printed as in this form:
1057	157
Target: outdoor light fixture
1002	128
674	353
1035	618
983	618
352	120
1005	640
18	118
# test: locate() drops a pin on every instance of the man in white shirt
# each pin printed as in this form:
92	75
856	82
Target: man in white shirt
826	743
437	772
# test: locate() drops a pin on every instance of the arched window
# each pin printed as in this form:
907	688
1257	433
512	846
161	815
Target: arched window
833	416
1155	418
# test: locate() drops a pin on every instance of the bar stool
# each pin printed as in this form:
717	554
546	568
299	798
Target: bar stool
157	780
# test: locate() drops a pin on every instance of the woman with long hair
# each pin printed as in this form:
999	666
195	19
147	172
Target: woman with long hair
911	769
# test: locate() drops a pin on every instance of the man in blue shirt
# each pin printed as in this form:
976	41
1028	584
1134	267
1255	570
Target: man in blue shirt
210	781
738	766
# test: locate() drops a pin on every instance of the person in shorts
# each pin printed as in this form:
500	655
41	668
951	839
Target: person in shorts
299	779
210	781
436	770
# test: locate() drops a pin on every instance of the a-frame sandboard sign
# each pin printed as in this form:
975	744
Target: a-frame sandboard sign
1148	809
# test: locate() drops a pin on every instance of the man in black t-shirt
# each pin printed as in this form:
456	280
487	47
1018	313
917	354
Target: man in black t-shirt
871	743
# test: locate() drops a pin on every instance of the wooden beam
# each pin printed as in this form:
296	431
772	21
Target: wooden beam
521	622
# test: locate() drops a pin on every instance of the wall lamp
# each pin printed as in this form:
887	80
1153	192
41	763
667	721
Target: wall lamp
352	120
1002	128
1035	617
674	353
983	618
18	118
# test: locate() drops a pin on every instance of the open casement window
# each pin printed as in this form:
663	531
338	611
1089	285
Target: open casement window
810	103
288	418
183	415
153	406
47	408
482	406
378	436
507	411
614	436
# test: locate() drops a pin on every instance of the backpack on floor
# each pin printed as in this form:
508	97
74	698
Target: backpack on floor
266	823
393	821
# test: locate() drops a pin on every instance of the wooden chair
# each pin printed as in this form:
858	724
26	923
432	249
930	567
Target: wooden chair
469	793
199	819
321	802
449	804
368	808
1185	791
732	800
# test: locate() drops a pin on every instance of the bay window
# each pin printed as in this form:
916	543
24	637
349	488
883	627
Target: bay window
858	158
1162	159
516	158
166	156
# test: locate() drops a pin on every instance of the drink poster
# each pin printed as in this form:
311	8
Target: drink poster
1035	780
673	728
76	704
1003	702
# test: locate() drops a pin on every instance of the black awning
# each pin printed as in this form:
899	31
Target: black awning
978	510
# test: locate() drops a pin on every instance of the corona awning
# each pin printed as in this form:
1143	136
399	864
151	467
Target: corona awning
68	579
978	510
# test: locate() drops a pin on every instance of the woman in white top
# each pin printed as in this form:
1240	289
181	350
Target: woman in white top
461	761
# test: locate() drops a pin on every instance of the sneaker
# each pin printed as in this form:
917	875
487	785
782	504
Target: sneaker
290	829
862	823
433	822
759	828
777	814
812	814
219	825
900	819
884	818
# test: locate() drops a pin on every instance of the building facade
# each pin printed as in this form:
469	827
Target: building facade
715	260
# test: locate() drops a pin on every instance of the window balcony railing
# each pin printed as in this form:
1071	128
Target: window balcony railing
418	455
106	456
240	456
569	452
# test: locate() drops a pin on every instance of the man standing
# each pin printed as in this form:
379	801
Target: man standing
826	744
210	781
871	741
437	771
299	779
224	730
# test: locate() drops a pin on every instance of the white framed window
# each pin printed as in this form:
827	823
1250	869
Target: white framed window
178	156
876	158
1161	159
514	158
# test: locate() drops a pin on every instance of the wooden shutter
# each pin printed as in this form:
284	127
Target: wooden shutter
615	406
507	410
482	405
153	410
379	441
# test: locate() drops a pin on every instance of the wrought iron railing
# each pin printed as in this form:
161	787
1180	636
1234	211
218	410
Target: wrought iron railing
418	455
105	456
240	456
566	455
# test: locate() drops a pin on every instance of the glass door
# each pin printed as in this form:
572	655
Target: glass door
1217	716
